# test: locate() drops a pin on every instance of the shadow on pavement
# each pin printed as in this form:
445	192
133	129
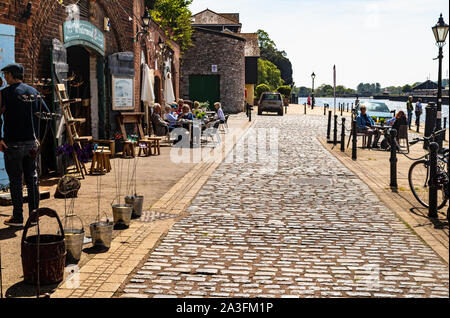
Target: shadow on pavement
23	289
9	232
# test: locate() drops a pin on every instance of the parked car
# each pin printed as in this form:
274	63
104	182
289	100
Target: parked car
271	102
377	110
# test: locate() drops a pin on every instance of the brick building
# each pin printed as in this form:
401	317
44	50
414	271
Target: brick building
72	42
221	63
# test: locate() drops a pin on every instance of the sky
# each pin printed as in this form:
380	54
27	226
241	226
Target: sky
370	41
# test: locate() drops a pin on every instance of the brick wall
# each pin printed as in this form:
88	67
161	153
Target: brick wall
227	52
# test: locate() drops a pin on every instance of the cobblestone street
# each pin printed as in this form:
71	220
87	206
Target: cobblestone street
300	231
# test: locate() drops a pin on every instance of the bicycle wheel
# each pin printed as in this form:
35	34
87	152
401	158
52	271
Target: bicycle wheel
418	177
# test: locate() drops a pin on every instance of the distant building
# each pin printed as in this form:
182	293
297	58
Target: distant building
221	64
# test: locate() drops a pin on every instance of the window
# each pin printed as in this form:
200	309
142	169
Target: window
271	97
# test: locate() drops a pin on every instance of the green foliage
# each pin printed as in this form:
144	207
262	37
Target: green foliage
407	88
285	90
366	89
270	53
269	74
303	91
261	88
175	18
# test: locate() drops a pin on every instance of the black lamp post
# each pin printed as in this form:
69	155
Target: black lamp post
440	31
313	76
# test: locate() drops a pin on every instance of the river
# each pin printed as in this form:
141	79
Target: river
392	105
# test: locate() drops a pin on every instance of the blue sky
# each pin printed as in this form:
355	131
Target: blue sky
385	41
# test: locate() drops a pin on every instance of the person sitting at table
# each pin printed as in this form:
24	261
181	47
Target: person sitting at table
170	117
400	119
180	105
219	115
185	113
365	125
160	127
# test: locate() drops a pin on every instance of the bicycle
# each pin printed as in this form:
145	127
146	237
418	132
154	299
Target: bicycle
419	175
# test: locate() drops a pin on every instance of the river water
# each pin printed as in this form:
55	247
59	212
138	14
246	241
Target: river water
392	105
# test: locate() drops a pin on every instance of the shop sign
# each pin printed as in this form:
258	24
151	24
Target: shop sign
122	93
79	30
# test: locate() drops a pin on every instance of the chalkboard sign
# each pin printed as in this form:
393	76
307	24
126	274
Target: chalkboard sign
122	93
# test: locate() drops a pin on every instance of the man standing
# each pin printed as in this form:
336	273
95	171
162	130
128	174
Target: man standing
18	140
409	109
418	112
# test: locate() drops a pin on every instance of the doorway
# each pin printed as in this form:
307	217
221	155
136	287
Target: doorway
79	86
204	88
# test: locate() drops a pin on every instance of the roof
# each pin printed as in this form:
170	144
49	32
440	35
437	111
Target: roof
226	34
210	17
251	45
426	85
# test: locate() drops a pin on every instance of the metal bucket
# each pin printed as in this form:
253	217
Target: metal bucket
101	233
136	202
52	253
74	245
74	241
122	214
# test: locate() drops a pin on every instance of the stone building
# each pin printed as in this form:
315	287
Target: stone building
214	68
74	42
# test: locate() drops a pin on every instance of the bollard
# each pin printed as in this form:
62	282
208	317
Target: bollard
418	122
335	130
249	113
305	108
342	109
343	135
393	159
329	125
325	109
445	127
347	108
432	183
354	140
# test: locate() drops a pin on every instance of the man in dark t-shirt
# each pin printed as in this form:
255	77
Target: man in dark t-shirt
18	140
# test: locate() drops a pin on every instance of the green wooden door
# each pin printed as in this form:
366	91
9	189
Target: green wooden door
204	88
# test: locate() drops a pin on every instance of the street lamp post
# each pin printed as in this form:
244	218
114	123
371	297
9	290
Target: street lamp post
313	76
440	31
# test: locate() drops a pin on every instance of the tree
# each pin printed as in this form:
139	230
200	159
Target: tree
269	74
284	90
261	88
406	89
175	18
304	91
270	53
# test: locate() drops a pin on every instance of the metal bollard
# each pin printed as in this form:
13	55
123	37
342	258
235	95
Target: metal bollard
342	109
393	159
347	108
249	113
329	125
305	108
325	109
432	183
335	130
354	140
418	123
445	127
343	135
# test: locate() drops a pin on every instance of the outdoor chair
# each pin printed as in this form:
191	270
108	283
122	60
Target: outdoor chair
224	126
211	131
402	134
358	134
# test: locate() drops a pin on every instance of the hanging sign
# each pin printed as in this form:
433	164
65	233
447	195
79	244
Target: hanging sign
83	32
122	93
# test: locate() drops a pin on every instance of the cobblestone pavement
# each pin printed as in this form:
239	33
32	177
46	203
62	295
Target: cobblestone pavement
301	232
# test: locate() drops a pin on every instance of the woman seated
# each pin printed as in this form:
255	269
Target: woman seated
219	115
170	117
160	127
185	113
400	119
